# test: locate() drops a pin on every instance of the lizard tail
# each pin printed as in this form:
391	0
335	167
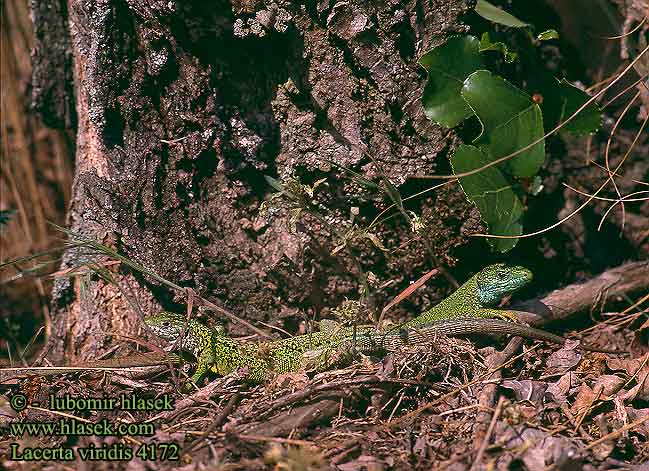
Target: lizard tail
398	338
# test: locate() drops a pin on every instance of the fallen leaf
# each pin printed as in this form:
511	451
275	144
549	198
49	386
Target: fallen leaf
610	384
637	414
629	366
558	391
386	367
527	390
585	397
562	360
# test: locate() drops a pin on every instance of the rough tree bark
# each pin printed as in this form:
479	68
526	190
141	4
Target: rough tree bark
183	107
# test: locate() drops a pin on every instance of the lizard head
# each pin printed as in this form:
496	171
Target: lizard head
168	325
498	280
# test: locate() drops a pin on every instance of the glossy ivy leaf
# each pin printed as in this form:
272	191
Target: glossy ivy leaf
548	34
496	15
559	99
448	65
523	129
487	45
510	121
499	206
588	120
493	99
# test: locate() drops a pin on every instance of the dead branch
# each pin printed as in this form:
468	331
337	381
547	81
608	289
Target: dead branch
579	297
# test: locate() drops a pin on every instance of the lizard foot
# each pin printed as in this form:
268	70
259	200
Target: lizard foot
508	316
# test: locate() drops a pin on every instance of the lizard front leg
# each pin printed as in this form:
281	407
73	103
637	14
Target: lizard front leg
503	314
205	363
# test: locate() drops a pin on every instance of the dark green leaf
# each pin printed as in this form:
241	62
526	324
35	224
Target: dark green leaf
496	15
448	65
588	120
523	129
487	45
500	208
559	100
493	99
510	121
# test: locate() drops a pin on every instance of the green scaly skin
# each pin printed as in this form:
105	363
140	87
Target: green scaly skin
223	355
478	297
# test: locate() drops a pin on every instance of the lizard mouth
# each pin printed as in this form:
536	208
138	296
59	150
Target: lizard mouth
519	277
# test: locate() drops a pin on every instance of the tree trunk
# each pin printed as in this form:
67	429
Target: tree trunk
183	107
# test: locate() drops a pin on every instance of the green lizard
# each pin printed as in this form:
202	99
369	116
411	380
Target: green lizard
478	296
222	355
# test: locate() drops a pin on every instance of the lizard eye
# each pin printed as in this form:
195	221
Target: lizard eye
166	323
502	274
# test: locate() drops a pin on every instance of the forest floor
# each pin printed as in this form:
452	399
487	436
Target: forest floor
451	405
